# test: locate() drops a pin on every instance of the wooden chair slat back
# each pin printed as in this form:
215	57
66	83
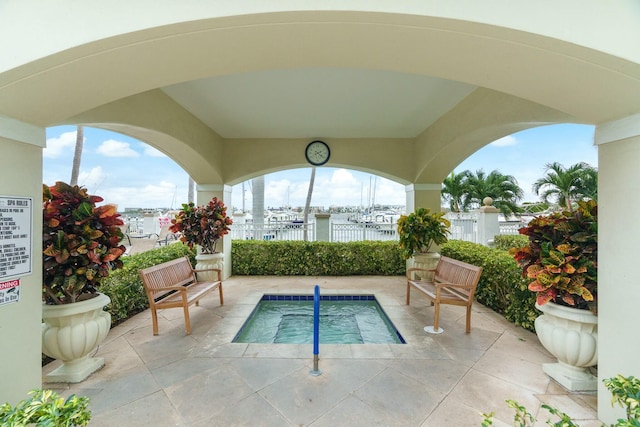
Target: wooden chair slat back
453	271
177	272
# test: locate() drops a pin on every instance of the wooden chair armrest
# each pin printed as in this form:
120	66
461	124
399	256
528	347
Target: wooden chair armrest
217	270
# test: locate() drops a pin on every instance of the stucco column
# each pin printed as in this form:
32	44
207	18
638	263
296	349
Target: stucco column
423	196
204	194
20	331
618	238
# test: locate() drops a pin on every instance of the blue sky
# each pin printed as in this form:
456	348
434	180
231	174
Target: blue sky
130	173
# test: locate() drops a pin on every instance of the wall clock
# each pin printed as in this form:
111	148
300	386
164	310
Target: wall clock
317	153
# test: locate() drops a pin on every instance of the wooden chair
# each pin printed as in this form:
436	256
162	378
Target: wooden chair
174	284
454	282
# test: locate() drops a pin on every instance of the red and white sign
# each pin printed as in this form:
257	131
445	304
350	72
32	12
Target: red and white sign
16	225
9	291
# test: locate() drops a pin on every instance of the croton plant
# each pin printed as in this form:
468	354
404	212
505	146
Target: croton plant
202	225
81	243
562	257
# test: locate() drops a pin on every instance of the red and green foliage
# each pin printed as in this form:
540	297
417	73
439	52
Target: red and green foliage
562	256
80	243
202	225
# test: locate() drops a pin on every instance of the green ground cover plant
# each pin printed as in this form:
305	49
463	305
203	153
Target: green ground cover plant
509	241
625	393
46	408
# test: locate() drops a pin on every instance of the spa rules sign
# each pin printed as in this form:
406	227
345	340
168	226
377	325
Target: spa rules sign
16	227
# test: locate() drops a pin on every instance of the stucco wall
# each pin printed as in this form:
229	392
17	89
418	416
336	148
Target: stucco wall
20	342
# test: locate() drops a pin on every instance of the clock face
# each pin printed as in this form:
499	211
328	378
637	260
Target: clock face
317	153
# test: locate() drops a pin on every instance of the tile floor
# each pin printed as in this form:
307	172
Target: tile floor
432	381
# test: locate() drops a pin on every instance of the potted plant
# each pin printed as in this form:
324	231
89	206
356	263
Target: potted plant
80	247
562	261
203	226
418	231
46	407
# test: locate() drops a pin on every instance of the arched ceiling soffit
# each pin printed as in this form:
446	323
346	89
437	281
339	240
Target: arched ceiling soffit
500	51
467	128
156	119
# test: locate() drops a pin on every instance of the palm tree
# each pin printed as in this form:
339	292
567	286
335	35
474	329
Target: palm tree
77	156
307	204
454	190
590	183
190	192
503	189
566	185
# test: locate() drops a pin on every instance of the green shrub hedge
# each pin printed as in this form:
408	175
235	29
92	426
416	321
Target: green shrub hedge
124	286
506	242
501	287
298	258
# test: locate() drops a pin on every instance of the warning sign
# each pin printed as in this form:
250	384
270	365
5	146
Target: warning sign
16	224
9	291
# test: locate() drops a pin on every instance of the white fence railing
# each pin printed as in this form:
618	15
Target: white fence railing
278	231
511	227
361	231
463	227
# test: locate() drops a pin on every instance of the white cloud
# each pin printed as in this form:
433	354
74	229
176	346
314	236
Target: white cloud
92	179
57	146
390	193
113	148
278	193
153	152
339	187
505	141
164	194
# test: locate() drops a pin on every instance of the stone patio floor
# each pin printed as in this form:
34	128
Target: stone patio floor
434	380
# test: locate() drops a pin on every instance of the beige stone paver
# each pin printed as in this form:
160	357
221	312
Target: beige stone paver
432	381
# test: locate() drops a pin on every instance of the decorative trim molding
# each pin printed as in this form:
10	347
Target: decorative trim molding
617	130
16	130
423	187
215	188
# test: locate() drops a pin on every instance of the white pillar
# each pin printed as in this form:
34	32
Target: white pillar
423	196
488	224
323	227
150	224
618	238
204	194
20	331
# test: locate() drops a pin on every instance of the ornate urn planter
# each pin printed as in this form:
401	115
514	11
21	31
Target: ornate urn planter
571	335
70	332
204	261
426	260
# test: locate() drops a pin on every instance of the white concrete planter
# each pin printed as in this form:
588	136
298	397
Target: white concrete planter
204	261
571	335
70	332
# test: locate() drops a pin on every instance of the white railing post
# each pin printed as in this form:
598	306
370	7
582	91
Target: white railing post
322	227
488	224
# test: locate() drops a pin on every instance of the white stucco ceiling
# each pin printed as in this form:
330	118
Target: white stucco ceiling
319	102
